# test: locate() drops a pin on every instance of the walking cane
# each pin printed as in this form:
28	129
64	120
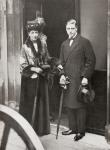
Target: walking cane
64	87
35	102
34	105
60	110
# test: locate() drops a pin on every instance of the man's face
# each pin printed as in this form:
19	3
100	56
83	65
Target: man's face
33	34
71	30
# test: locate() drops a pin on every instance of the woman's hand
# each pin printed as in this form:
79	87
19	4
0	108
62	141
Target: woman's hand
36	69
34	75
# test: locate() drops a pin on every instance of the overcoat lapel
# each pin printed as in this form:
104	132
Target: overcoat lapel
70	49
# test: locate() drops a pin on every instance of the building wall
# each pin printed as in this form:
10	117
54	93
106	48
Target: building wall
93	15
11	14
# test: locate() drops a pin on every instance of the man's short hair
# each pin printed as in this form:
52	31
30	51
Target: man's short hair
71	21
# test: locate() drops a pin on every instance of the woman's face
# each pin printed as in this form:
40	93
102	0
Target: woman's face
33	34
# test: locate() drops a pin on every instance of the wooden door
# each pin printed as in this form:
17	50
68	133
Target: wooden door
56	14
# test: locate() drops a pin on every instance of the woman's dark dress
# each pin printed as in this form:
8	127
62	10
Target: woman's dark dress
29	58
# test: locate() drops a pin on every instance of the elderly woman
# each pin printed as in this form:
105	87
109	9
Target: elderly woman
34	102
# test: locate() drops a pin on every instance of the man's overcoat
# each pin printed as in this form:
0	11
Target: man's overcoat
78	61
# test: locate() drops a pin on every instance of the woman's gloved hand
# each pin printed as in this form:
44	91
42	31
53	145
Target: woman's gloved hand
34	75
36	69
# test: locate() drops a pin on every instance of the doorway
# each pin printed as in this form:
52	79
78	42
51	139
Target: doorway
56	13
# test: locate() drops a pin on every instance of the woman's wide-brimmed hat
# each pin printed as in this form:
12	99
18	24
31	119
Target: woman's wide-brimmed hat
37	24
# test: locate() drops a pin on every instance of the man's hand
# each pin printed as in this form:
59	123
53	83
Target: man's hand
62	80
36	69
60	67
84	81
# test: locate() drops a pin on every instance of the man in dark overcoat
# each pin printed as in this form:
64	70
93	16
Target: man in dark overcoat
78	61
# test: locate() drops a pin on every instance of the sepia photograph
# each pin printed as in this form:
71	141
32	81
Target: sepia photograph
54	74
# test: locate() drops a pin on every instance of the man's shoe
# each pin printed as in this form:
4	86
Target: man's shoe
79	136
68	132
